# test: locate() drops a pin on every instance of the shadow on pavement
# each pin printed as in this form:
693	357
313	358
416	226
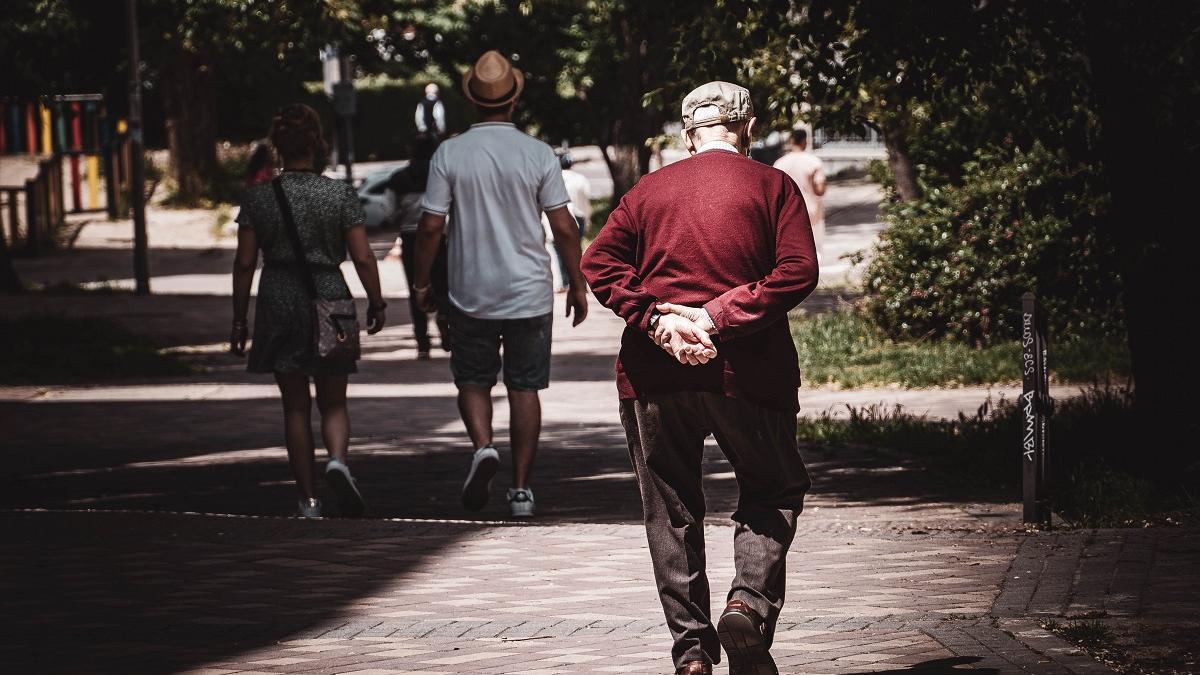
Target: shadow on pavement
122	593
227	457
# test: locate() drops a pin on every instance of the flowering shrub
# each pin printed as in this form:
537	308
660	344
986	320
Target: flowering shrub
954	264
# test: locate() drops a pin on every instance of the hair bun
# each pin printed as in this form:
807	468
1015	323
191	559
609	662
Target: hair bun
296	131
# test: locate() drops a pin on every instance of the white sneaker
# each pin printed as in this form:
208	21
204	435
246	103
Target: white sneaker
310	508
350	500
479	480
520	502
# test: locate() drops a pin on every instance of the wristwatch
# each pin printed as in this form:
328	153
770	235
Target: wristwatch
654	317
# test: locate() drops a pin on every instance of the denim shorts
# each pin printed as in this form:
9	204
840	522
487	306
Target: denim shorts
475	351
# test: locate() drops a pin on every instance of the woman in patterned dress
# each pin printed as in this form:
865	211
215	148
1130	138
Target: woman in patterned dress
329	220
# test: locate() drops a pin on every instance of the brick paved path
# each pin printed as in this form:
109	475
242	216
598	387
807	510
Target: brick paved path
165	592
146	531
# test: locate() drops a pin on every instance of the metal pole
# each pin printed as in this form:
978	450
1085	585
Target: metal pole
141	266
348	125
33	201
1035	408
344	109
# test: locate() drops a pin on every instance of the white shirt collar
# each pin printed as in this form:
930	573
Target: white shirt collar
717	145
484	125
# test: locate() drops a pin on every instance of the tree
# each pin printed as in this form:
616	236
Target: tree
599	71
1111	85
936	80
194	51
1142	60
42	43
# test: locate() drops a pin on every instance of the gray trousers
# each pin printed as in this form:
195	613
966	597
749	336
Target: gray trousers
666	443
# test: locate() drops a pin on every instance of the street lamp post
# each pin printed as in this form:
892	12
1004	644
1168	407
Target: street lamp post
141	266
338	75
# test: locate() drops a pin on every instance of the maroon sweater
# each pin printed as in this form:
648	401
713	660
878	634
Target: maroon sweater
721	231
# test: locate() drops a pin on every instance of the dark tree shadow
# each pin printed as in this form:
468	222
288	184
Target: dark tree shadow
122	593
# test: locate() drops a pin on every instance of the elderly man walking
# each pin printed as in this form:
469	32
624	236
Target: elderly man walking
497	181
703	259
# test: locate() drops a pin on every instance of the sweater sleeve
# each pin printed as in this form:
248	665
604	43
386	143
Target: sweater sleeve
751	307
609	265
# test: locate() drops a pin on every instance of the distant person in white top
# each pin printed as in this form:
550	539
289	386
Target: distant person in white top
580	190
430	116
498	181
809	173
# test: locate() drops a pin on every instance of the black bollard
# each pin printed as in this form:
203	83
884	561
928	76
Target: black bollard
1035	413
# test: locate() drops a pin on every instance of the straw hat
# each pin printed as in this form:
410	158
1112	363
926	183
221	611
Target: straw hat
492	82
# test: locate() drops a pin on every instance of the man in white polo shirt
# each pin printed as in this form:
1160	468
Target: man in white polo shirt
496	181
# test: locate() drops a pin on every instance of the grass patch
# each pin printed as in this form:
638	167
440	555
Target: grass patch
1098	640
42	349
1089	633
842	347
978	448
1094	480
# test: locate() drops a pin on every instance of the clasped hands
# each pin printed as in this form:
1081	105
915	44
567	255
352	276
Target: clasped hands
683	332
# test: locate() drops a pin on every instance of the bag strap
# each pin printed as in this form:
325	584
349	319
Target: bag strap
285	209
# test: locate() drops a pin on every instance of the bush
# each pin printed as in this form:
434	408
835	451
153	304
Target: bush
1094	478
225	187
955	264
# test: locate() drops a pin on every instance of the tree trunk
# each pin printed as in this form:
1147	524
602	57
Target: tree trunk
9	281
622	163
628	133
1146	120
191	112
903	171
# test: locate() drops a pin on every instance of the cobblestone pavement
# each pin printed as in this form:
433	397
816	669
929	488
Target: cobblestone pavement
147	531
137	592
112	568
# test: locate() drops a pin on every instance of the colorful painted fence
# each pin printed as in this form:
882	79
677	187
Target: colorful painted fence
79	150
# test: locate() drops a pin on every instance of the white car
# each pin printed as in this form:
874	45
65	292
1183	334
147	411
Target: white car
377	201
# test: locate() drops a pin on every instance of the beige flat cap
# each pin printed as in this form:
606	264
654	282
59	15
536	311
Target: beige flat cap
716	103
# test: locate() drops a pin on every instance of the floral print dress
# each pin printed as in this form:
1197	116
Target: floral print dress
324	209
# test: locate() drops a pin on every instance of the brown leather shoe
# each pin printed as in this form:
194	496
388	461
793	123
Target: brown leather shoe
740	631
694	668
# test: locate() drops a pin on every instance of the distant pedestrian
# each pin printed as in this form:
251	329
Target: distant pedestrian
408	184
260	167
580	190
703	259
497	181
430	116
809	173
325	221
